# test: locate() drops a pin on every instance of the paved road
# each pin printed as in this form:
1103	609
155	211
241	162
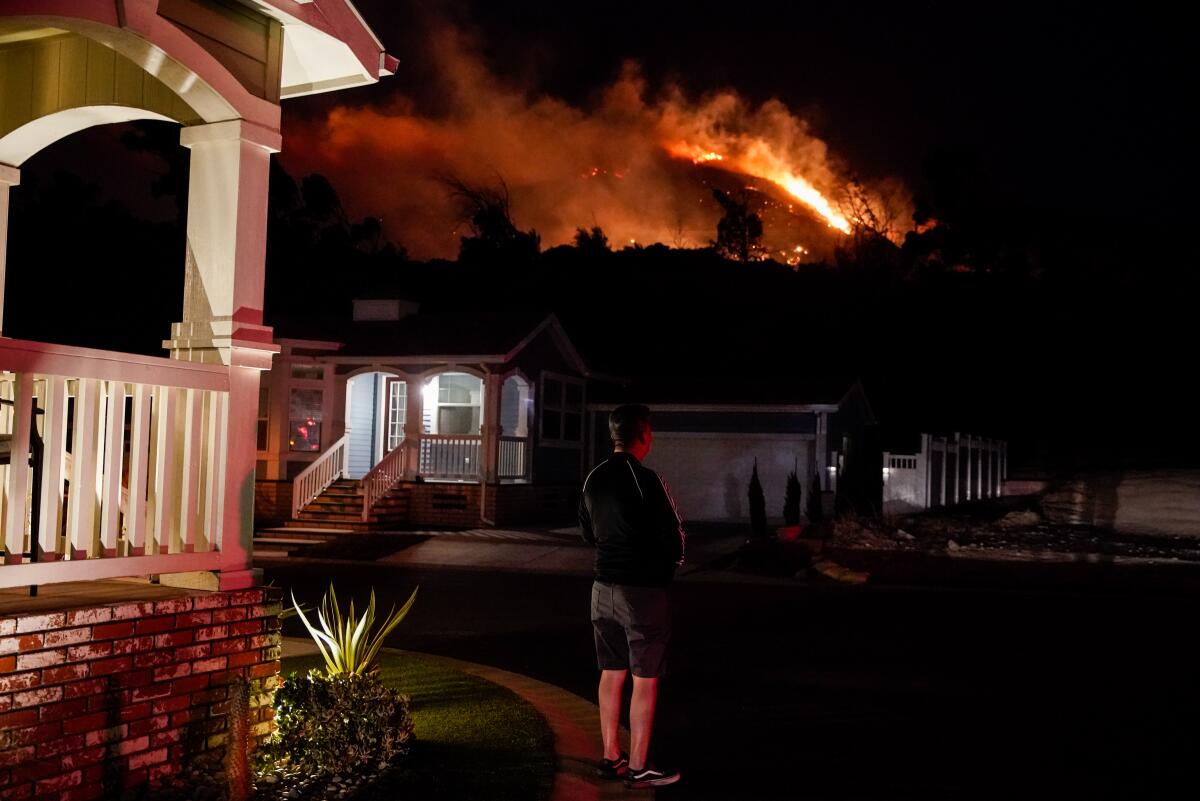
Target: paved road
827	692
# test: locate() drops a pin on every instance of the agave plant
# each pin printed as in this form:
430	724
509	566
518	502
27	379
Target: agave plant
350	643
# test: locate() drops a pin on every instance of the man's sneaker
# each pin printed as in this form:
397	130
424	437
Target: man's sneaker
650	777
613	768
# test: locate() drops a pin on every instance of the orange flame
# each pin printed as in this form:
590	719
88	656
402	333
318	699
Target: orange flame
761	161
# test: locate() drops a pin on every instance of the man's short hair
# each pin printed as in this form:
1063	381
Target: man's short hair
628	423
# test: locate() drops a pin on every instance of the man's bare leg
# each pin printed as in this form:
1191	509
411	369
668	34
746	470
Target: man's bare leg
641	720
611	683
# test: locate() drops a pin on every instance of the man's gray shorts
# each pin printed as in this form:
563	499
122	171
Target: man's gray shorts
632	626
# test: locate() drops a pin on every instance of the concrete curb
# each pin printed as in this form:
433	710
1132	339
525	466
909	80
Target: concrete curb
574	721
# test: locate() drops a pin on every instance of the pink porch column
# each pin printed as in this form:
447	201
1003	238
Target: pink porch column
413	423
222	311
490	443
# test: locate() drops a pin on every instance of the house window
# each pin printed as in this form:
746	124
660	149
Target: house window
453	403
562	410
264	417
304	420
308	372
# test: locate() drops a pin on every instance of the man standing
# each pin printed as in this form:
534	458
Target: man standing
628	514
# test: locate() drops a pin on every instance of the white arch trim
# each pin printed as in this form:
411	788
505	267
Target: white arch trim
18	145
516	372
163	50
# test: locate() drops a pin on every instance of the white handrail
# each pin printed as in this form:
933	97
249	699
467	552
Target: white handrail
318	476
382	477
45	358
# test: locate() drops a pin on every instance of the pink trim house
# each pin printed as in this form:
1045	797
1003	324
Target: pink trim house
141	468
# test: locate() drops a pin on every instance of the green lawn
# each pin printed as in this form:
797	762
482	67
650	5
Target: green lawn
474	739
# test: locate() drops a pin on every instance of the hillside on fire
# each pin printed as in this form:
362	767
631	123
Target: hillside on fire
969	323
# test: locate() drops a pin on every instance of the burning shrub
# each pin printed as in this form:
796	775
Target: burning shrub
331	724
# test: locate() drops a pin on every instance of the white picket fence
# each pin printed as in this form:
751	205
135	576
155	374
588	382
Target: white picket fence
111	464
944	472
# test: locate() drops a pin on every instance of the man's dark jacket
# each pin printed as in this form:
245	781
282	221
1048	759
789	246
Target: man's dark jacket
627	512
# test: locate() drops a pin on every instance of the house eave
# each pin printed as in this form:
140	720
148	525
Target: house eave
327	46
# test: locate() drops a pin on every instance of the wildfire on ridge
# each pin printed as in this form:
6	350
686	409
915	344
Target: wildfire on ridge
640	165
761	162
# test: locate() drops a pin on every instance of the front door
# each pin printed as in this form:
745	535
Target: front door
396	406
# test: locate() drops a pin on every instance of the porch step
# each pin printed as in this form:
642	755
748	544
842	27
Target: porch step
281	543
340	505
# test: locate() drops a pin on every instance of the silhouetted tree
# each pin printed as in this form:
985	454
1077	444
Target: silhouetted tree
758	506
739	231
486	211
813	509
791	500
593	242
875	222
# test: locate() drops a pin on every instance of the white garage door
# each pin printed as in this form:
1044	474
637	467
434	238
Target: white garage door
709	474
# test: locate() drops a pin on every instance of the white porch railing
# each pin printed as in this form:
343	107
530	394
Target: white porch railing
316	478
111	464
450	456
513	459
383	477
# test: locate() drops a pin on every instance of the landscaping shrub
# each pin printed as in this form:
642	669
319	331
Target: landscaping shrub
791	500
814	511
349	643
758	506
333	723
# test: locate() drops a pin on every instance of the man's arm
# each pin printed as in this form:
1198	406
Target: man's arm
585	522
670	523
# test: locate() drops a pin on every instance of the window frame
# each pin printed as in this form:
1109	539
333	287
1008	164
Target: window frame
545	403
309	385
439	404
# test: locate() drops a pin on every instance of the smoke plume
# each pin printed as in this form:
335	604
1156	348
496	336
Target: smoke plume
641	166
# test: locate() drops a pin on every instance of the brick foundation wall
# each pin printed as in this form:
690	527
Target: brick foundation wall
97	700
446	505
537	503
272	502
457	505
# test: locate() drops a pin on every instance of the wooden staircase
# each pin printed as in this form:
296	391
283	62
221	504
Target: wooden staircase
340	507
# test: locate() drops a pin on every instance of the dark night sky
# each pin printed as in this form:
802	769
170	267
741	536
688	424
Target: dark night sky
1075	111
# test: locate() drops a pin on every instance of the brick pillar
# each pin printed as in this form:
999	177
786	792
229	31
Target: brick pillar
100	698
